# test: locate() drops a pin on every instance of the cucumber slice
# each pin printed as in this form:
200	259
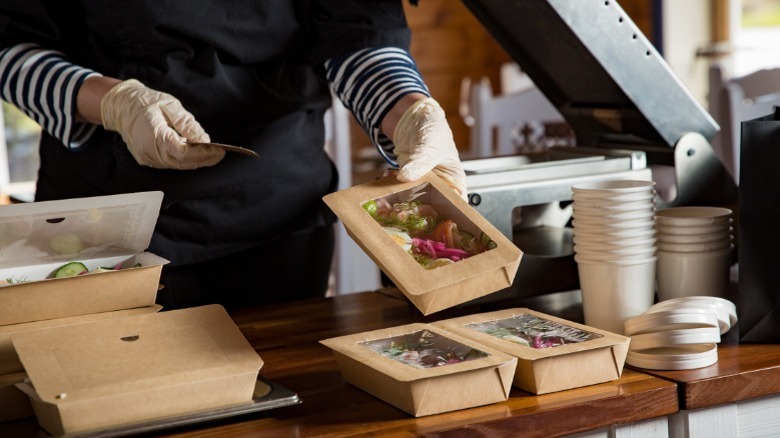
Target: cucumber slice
70	269
69	243
487	241
464	240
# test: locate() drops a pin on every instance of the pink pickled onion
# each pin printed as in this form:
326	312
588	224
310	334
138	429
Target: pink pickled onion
438	249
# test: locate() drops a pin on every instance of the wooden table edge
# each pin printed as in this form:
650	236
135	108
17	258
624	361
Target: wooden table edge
571	419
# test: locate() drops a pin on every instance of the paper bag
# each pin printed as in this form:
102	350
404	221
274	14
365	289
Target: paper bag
759	230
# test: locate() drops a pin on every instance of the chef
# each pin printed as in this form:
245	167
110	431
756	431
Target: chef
121	87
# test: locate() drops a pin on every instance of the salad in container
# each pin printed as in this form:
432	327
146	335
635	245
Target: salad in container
437	249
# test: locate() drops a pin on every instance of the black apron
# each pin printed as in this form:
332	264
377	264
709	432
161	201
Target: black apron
249	71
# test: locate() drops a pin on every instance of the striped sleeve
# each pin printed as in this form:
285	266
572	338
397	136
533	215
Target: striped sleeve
369	82
43	84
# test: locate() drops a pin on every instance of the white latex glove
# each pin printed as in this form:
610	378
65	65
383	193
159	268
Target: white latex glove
155	127
423	142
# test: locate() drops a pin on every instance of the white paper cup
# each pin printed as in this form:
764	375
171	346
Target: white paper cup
601	216
607	189
612	235
692	225
684	274
610	205
715	245
621	221
711	229
621	255
606	227
694	215
615	292
693	238
692	222
601	243
615	198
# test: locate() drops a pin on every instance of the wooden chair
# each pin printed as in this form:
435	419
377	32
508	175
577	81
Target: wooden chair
734	100
502	124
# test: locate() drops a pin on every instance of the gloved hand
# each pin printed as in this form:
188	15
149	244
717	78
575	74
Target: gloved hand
155	127
423	142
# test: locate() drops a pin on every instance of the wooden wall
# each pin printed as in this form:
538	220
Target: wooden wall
449	43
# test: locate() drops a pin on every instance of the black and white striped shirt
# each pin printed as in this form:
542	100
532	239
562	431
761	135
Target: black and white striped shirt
44	84
370	82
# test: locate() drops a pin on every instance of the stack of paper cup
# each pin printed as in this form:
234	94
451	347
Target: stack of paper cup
694	251
614	245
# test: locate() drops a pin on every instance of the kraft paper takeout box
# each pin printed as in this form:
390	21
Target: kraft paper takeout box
423	391
9	361
36	238
134	369
598	359
436	289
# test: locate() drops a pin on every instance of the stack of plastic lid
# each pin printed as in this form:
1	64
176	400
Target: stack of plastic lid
679	334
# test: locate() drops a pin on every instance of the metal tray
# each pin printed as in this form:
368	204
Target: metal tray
268	395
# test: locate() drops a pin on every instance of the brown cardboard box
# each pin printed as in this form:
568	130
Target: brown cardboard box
423	391
121	371
598	358
9	361
105	231
14	404
436	289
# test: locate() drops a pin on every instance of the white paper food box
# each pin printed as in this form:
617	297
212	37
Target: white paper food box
105	231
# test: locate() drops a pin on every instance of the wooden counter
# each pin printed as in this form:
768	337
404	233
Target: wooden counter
287	338
742	372
737	396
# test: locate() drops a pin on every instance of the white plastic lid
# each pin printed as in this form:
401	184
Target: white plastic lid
725	310
673	338
683	357
675	319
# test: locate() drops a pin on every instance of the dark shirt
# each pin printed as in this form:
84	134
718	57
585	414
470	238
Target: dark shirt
251	74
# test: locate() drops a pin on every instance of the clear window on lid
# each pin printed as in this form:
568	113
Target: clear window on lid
428	227
424	349
533	331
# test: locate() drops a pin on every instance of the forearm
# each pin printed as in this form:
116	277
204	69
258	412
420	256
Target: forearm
392	117
89	96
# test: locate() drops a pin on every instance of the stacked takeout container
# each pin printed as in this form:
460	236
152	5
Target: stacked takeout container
38	237
694	251
615	249
90	352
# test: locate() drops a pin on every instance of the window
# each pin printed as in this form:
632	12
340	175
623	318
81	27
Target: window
755	35
18	153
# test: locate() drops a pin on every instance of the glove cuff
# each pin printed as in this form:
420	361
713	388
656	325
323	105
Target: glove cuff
113	100
406	122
